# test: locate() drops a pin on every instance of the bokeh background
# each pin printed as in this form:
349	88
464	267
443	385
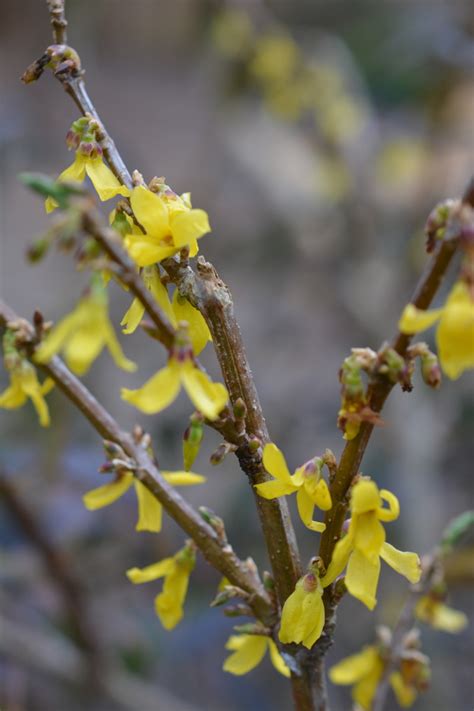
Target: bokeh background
318	135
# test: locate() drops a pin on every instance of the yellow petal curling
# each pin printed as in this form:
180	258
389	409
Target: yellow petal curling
134	315
363	671
108	493
455	332
307	481
364	544
158	392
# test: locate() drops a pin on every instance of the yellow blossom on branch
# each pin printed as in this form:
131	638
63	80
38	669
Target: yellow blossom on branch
364	544
150	511
455	331
432	610
24	384
363	671
176	571
163	387
302	617
249	650
170	223
311	489
104	181
178	310
84	333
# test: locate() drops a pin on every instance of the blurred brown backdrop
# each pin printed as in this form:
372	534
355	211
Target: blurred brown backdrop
317	263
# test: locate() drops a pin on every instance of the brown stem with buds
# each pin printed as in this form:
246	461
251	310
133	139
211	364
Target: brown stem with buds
222	557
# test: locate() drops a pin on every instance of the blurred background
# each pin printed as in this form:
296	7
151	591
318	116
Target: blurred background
318	136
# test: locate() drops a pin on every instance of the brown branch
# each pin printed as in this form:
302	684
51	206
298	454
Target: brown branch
60	572
213	298
208	293
378	393
58	20
220	555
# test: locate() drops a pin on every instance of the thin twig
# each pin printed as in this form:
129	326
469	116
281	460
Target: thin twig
218	554
378	393
58	20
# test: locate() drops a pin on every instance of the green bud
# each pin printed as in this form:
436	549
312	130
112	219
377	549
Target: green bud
192	439
38	250
47	187
456	530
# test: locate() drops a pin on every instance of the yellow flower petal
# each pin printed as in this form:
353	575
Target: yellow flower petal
362	577
208	397
198	330
115	349
275	463
56	338
406	695
188	226
393	511
183	478
145	252
14	395
339	559
407	564
355	667
75	173
277	660
455	333
249	653
150	511
151	212
414	320
440	616
291	615
158	392
306	509
132	316
169	603
274	489
160	292
322	497
103	180
302	617
364	691
107	494
151	572
369	535
365	497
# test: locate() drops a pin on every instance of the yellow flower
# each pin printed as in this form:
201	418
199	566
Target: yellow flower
364	544
248	651
363	672
169	223
307	481
455	332
82	335
433	611
102	178
302	617
179	310
176	571
24	384
150	511
163	387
